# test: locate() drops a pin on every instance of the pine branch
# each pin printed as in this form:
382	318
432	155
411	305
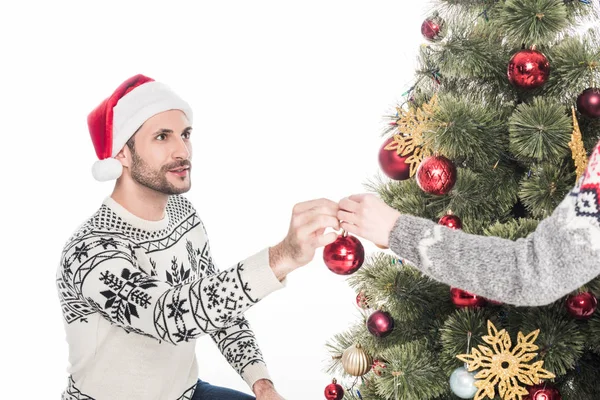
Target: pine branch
533	22
547	186
540	131
513	229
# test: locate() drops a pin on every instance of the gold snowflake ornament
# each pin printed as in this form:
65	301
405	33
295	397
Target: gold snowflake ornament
505	368
412	124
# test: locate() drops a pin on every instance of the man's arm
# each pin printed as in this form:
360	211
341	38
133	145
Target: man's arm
562	254
102	269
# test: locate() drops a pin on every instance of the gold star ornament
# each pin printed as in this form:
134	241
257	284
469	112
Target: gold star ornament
503	367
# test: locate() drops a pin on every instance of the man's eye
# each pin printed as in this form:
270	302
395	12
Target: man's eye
160	136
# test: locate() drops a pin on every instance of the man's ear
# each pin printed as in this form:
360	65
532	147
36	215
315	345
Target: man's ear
124	156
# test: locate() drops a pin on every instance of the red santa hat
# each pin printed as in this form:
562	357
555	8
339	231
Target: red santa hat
114	121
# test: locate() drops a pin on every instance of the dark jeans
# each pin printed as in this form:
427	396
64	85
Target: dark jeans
206	391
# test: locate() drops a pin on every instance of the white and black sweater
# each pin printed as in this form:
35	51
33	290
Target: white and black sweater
135	296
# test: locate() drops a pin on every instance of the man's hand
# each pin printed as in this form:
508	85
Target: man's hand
264	390
367	216
309	221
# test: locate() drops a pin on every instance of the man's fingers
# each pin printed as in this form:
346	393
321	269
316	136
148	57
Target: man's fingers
349	204
347	216
324	240
307	205
320	222
351	228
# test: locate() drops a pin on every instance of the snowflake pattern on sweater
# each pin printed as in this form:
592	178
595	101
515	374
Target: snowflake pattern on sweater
137	292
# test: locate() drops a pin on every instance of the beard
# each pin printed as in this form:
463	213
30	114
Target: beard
157	180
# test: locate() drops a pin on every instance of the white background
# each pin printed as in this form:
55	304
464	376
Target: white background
289	99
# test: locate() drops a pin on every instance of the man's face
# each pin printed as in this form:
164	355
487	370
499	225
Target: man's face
161	157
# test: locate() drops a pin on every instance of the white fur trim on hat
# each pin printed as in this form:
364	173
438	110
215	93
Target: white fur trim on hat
139	105
107	169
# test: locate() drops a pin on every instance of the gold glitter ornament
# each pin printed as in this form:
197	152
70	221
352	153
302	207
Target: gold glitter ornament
577	148
505	368
412	125
356	361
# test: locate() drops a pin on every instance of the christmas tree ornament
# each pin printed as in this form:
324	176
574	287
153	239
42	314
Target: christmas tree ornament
462	383
502	368
392	160
543	391
345	255
436	175
380	323
451	221
356	361
578	152
582	305
412	123
464	299
334	391
588	102
528	69
378	367
361	300
432	28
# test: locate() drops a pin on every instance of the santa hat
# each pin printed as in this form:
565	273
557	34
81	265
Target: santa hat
118	117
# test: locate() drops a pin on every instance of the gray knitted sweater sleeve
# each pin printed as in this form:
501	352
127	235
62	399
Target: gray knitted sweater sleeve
560	256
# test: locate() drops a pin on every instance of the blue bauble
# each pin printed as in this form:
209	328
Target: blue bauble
462	383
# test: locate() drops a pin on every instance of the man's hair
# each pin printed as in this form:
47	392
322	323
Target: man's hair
131	142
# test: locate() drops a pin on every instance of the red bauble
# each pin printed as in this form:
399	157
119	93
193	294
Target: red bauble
528	69
582	305
451	221
345	255
378	367
462	298
588	102
436	175
392	164
334	391
380	323
543	391
431	28
361	300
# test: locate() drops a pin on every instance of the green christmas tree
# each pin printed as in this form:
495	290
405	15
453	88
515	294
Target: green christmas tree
501	102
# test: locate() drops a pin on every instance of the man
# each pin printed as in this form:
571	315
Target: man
136	281
559	257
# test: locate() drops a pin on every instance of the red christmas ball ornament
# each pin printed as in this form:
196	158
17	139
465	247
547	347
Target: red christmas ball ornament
451	221
436	175
463	299
588	103
380	323
432	27
334	391
378	367
345	255
361	300
392	164
528	69
543	391
582	305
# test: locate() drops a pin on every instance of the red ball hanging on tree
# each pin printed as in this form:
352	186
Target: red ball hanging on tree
432	27
588	103
436	175
543	391
334	391
451	221
528	69
378	367
464	299
582	305
380	323
361	300
392	164
345	255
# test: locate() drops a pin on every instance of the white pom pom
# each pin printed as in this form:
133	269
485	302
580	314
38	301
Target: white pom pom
107	169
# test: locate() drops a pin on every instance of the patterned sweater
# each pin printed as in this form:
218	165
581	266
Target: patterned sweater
559	257
135	296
